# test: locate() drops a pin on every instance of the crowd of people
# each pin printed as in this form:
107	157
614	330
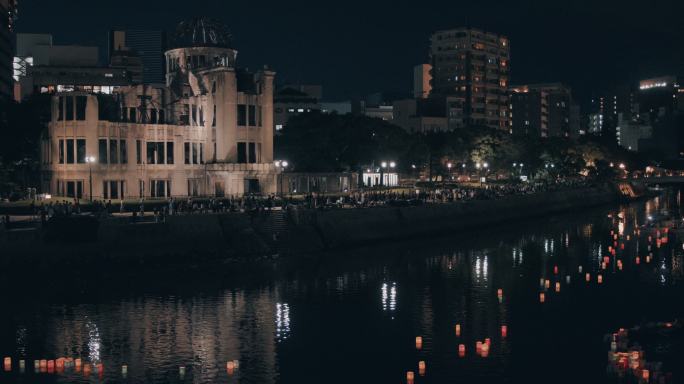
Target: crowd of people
156	210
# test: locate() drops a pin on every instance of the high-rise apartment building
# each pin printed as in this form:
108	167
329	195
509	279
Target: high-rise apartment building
470	68
8	12
544	110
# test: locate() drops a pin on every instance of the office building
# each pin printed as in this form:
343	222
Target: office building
421	81
292	101
139	49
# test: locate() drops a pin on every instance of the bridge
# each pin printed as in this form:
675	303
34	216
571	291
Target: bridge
658	180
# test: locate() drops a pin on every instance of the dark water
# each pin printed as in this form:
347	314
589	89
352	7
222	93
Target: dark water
354	316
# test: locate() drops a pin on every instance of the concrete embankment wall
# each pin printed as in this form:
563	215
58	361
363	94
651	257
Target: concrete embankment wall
296	231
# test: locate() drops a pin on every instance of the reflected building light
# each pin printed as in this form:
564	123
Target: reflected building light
481	268
94	342
282	321
389	296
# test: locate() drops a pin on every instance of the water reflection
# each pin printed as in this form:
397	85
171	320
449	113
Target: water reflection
482	284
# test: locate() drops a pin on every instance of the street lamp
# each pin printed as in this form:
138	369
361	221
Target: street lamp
383	165
90	160
281	165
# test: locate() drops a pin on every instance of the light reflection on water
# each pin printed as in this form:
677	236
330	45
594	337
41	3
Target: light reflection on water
326	326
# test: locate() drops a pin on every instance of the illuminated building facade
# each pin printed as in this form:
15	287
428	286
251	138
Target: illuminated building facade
207	132
470	68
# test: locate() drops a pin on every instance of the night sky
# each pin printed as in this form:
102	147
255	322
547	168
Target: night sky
355	48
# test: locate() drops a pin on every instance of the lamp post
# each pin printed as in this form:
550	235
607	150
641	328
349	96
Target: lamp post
281	164
383	166
90	160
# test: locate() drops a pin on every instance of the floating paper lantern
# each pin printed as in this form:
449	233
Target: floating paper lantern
86	369
484	352
604	265
587	277
555	269
648	259
547	284
499	292
409	376
619	264
488	341
7	364
579	269
419	342
77	362
622	246
567	279
100	368
637	260
50	365
542	297
504	331
421	368
461	350
458	329
557	287
36	365
236	364
613	346
124	370
22	366
645	374
627	237
599	278
478	347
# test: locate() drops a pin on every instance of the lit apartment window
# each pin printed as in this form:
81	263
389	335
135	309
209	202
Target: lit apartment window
279	127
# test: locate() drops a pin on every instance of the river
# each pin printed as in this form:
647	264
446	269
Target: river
353	316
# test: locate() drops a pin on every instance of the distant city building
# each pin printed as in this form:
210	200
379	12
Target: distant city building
421	115
471	68
339	107
289	102
8	12
207	131
383	112
139	49
421	81
660	110
544	110
42	67
630	132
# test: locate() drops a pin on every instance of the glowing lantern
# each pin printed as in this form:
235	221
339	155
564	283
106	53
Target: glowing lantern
645	374
22	366
484	352
615	236
488	341
51	366
409	376
614	246
619	264
637	260
555	269
650	239
181	371
579	269
603	265
557	287
541	282
542	297
606	259
478	347
419	342
230	367
100	369
648	259
421	368
622	246
77	362
599	278
499	292
461	350
236	364
610	249
124	370
627	237
86	369
7	363
59	363
567	279
504	331
547	284
36	365
587	277
458	330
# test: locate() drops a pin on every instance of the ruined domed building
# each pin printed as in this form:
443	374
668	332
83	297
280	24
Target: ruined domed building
208	131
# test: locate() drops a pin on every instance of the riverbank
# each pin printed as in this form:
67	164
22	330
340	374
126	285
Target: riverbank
220	240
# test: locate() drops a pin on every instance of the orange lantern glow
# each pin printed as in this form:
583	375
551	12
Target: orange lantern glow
547	284
648	259
461	350
478	347
619	264
603	265
606	259
100	369
555	269
499	292
230	367
484	352
614	245
421	368
587	277
627	237
419	342
488	341
458	329
51	366
557	287
542	297
637	260
409	377
645	374
7	364
77	362
615	236
622	246
86	369
504	331
599	278
650	239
